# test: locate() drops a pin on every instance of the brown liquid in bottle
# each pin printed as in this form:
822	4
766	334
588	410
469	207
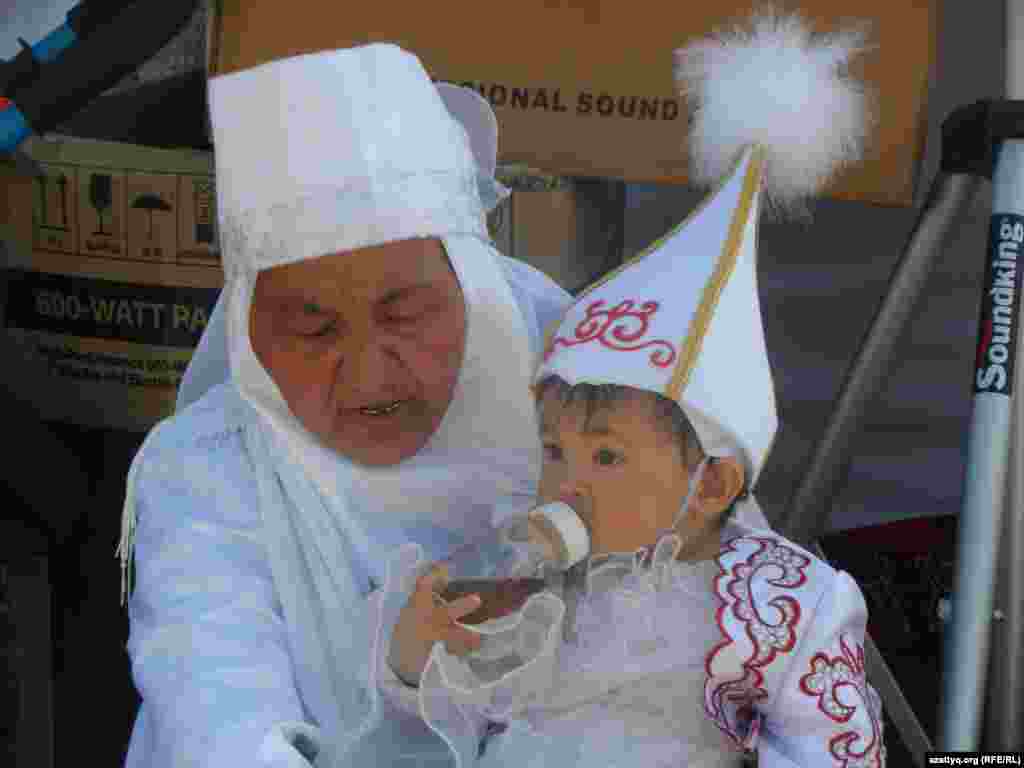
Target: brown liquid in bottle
499	597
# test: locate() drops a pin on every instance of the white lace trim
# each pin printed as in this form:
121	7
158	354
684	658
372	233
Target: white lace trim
636	616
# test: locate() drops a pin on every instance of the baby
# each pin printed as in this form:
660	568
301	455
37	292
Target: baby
680	635
686	620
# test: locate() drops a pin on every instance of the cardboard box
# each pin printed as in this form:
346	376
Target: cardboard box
584	87
110	271
572	230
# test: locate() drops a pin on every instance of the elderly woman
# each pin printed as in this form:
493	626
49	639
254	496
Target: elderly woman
364	383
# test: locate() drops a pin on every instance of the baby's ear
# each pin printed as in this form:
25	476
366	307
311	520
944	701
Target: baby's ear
720	484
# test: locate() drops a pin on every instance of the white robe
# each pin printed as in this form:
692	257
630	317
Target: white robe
765	642
226	679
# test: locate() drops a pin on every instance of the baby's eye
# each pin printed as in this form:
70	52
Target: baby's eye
552	452
607	458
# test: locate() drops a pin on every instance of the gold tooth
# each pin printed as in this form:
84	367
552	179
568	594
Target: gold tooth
388	409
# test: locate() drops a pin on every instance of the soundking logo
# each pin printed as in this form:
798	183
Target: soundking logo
1000	307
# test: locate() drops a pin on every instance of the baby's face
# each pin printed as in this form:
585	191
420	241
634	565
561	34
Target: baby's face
622	472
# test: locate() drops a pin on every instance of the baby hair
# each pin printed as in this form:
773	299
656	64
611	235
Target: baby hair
597	397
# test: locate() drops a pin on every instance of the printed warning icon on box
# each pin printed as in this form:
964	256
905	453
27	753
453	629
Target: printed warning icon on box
151	210
55	208
101	212
197	221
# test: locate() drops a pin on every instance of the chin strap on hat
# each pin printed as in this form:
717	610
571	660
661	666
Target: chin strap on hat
694	484
644	553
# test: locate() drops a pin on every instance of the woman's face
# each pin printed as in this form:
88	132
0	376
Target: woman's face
365	346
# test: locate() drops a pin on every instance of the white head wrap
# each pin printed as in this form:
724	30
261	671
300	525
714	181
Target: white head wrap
209	365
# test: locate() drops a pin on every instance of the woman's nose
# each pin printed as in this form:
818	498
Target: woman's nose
373	366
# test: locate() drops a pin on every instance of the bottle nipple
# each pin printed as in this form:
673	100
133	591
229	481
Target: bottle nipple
559	533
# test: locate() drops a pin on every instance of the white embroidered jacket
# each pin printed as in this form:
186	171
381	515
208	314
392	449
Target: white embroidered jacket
788	676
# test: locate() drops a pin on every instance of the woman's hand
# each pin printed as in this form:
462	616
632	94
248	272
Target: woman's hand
425	620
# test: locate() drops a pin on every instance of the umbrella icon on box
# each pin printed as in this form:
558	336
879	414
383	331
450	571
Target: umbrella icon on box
150	202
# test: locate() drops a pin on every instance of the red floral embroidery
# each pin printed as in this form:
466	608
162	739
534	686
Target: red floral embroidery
730	702
845	673
598	322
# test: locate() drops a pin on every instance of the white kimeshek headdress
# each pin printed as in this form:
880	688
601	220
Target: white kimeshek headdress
327	153
209	365
776	115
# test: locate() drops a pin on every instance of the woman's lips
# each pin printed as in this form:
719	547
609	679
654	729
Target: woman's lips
381	409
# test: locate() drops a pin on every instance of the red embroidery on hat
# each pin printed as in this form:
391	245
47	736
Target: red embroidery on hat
598	322
730	701
845	673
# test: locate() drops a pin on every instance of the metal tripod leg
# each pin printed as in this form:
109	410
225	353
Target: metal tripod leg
807	514
1005	700
969	635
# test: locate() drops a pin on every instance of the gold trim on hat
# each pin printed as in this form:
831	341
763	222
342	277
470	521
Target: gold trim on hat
552	328
694	339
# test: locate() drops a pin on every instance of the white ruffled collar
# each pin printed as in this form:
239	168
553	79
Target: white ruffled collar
650	569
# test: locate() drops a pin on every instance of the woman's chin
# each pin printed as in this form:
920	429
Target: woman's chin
379	448
382	439
384	454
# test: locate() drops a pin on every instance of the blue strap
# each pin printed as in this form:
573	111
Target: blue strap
14	129
54	44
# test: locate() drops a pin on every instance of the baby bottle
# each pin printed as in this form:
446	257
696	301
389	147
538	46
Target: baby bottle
550	539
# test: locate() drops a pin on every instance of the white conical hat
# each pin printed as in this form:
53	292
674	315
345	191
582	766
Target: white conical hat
776	114
683	320
305	168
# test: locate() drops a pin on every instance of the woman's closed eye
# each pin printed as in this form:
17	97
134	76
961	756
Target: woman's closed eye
606	457
324	330
411	311
314	322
